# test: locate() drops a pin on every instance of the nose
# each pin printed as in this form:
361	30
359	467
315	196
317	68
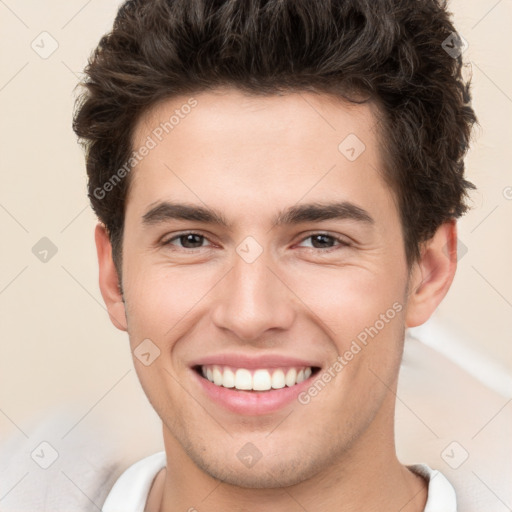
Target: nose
253	299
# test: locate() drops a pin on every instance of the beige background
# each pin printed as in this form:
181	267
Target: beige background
58	344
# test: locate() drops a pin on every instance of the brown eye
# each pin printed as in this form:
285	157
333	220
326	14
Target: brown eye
322	241
325	241
187	240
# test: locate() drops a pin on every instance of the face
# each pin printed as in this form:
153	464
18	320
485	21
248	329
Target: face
282	278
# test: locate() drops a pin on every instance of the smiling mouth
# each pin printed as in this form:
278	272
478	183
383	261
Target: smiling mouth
261	379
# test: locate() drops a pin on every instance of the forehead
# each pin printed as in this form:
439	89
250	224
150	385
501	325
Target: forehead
263	148
295	117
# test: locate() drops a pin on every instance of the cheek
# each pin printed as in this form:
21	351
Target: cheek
159	303
158	299
362	313
349	300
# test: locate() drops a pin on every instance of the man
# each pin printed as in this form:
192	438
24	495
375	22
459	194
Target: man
277	184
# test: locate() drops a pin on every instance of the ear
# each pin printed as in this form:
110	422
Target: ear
109	280
432	276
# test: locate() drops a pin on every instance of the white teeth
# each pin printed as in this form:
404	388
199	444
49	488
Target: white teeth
278	379
291	377
217	376
243	379
228	379
255	380
261	380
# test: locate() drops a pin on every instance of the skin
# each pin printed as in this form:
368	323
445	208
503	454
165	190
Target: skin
250	157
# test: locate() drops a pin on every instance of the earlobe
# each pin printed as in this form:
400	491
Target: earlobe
108	279
432	275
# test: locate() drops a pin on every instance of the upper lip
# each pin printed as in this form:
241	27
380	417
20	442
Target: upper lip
254	362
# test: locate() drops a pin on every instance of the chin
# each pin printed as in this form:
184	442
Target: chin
269	472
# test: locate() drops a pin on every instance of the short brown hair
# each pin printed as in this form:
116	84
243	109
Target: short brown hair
391	51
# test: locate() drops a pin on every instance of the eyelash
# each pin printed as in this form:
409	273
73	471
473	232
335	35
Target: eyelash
342	242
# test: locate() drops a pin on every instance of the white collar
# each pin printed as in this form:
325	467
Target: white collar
441	495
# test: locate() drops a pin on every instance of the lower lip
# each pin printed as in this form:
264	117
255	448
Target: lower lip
252	403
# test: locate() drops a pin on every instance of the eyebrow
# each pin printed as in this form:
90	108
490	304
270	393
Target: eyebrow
311	212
